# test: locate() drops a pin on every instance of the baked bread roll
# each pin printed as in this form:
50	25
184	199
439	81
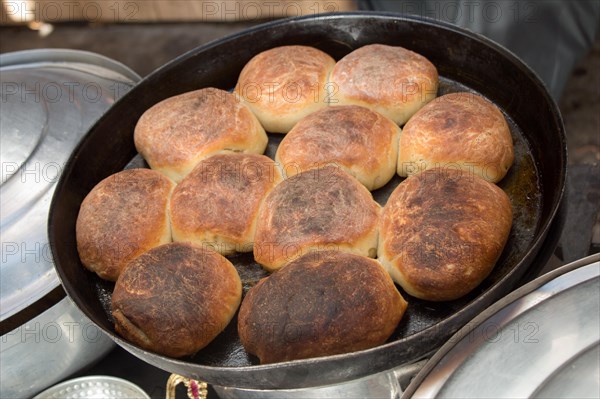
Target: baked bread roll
459	130
177	133
442	231
123	216
320	304
217	204
175	299
363	142
320	209
391	80
284	84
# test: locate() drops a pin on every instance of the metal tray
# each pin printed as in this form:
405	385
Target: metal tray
541	341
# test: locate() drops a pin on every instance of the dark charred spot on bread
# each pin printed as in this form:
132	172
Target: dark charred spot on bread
450	188
200	101
449	122
312	226
351	127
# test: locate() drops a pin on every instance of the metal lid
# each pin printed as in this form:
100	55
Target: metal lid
94	387
50	98
542	342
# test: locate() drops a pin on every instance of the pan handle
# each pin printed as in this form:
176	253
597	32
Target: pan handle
195	389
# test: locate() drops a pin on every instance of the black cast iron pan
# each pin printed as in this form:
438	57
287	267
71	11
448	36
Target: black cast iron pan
465	61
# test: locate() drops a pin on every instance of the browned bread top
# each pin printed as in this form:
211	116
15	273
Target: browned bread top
217	203
322	208
123	216
283	84
178	132
175	299
363	142
442	231
389	79
462	129
320	304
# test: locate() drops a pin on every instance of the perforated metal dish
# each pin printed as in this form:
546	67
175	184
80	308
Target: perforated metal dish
94	387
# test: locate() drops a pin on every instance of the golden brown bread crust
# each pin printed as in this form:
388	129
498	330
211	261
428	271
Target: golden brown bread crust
217	204
175	299
175	134
320	209
284	84
363	142
442	231
463	129
123	216
321	304
391	80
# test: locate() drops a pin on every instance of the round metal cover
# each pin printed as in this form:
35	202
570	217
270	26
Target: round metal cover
94	387
541	341
50	98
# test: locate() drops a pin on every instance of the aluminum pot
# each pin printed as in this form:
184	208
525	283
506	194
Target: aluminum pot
49	348
50	98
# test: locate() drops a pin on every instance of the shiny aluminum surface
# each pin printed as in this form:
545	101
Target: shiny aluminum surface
49	99
47	349
544	344
94	387
378	386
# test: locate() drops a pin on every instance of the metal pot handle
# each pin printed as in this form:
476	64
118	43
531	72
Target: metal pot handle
195	389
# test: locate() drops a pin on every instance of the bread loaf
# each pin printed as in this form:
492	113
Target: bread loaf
217	204
178	132
457	130
320	209
284	84
442	231
320	304
391	80
362	142
175	299
123	216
